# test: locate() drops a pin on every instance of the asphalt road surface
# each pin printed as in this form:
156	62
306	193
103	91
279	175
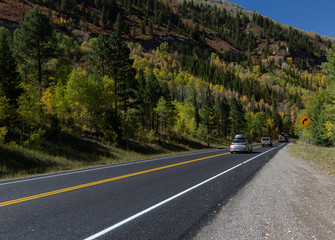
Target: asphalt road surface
162	198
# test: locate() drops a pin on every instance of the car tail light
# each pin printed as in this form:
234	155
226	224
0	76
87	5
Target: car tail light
244	144
232	144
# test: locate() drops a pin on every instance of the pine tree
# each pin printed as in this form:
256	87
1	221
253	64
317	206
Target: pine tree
143	28
221	113
119	24
168	29
237	118
152	95
34	45
162	111
150	28
206	111
110	57
9	77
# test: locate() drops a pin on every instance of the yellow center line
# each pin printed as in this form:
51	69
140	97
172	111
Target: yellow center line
19	200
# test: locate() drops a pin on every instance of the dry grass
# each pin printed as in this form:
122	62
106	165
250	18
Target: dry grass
17	161
322	157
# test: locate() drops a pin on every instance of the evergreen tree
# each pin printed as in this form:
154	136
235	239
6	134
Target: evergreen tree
237	118
221	114
9	77
110	57
152	95
143	28
119	24
150	28
206	111
162	111
35	45
168	29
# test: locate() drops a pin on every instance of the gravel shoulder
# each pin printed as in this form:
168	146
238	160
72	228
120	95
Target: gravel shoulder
287	199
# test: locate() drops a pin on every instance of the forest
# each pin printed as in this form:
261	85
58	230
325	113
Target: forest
110	89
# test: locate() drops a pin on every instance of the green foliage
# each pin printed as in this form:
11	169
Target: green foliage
36	139
328	98
3	132
255	124
4	109
221	116
35	45
180	94
131	126
185	122
162	111
109	137
329	66
206	112
237	116
30	108
317	112
68	52
9	77
202	132
110	57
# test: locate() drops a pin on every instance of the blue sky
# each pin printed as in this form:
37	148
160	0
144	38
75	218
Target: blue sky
310	15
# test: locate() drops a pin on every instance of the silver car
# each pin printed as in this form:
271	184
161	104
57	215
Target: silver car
266	141
240	145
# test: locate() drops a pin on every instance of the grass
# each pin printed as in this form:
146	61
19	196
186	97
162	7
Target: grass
71	152
322	157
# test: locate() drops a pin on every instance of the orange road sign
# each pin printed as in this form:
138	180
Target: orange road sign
305	121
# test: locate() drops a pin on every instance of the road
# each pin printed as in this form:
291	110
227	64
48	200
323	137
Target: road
164	198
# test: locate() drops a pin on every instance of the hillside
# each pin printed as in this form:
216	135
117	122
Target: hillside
130	72
207	23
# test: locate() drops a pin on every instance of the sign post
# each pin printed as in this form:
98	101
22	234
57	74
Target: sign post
305	121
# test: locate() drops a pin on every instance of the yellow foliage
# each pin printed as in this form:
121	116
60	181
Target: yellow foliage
47	101
147	71
330	128
245	99
3	132
257	70
211	86
156	71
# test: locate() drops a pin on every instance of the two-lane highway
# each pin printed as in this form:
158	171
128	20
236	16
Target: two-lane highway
161	198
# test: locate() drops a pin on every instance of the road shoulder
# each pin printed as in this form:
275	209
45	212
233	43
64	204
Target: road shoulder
287	199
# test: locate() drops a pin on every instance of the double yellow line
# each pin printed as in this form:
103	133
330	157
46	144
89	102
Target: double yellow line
19	200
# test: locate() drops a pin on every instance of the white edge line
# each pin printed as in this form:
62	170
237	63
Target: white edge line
101	168
99	234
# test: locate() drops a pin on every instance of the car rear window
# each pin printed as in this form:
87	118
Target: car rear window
240	140
266	139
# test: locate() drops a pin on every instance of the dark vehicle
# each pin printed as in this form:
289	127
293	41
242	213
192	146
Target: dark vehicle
266	141
283	138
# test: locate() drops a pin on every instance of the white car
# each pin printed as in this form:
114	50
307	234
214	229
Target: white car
240	145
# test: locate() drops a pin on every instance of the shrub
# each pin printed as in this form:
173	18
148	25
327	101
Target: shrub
36	139
3	132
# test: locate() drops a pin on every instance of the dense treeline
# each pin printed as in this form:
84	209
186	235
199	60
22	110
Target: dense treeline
50	84
321	108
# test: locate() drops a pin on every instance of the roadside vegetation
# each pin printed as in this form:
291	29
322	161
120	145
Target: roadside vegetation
322	157
75	153
69	102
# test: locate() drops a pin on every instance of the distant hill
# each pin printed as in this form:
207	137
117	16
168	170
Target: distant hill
211	24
